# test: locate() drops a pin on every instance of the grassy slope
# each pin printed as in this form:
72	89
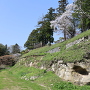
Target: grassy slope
11	78
42	50
74	53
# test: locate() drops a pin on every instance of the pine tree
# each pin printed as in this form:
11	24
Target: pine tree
32	39
46	32
62	6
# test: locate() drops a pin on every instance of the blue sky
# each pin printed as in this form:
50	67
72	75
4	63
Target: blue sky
19	17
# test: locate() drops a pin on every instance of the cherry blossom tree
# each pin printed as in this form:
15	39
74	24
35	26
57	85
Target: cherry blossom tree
65	22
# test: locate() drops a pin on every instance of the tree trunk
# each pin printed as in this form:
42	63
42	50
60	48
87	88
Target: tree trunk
65	35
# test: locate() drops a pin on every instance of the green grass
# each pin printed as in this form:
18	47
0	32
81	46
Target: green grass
75	52
43	50
19	76
69	86
72	54
9	81
84	34
44	81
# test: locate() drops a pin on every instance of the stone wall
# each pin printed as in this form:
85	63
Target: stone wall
77	41
57	49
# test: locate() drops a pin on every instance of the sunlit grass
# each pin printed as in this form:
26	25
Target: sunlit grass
19	76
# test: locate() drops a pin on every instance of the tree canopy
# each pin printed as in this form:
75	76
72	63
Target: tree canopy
76	16
62	6
15	48
3	50
68	18
82	13
32	39
44	33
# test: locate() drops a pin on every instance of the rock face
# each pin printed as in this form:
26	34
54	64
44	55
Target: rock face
77	73
77	41
57	49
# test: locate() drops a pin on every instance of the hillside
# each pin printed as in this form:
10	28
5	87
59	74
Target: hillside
52	67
